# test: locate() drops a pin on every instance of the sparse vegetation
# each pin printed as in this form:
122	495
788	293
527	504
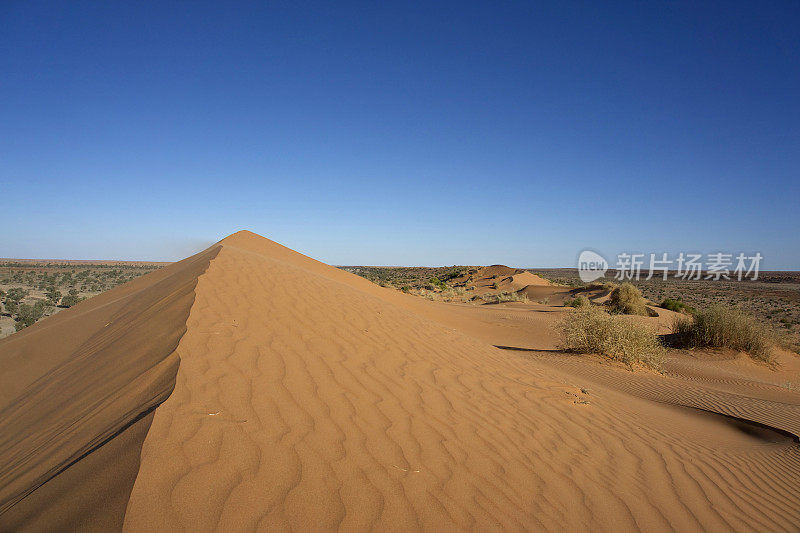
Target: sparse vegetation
593	330
24	283
723	327
773	299
627	300
415	278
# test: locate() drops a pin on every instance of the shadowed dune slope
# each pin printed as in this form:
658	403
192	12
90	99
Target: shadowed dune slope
311	399
76	394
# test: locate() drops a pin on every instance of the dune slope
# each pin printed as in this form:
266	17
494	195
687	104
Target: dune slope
308	398
77	392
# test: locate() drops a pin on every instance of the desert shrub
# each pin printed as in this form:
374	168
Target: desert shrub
70	299
493	286
723	327
10	306
601	285
12	299
627	300
593	330
405	288
53	295
16	294
578	301
677	305
28	314
505	297
514	297
787	341
451	293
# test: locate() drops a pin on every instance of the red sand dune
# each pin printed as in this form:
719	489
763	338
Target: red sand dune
252	388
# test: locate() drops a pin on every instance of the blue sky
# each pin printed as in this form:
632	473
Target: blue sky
404	134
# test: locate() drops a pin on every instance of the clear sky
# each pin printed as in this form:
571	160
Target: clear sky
401	133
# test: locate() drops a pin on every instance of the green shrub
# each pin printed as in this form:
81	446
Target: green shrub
723	327
28	314
578	301
53	295
438	284
12	299
10	306
70	299
17	294
593	330
627	300
677	305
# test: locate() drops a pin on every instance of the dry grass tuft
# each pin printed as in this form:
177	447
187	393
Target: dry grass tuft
578	301
593	330
722	327
627	300
505	297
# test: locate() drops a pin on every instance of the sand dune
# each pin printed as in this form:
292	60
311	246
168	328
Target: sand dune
500	278
526	279
252	388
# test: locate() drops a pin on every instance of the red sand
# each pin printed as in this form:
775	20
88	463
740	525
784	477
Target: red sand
252	388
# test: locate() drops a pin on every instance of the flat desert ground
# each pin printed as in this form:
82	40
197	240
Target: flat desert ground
250	387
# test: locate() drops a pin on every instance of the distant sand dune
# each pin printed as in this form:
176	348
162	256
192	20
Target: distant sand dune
308	398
